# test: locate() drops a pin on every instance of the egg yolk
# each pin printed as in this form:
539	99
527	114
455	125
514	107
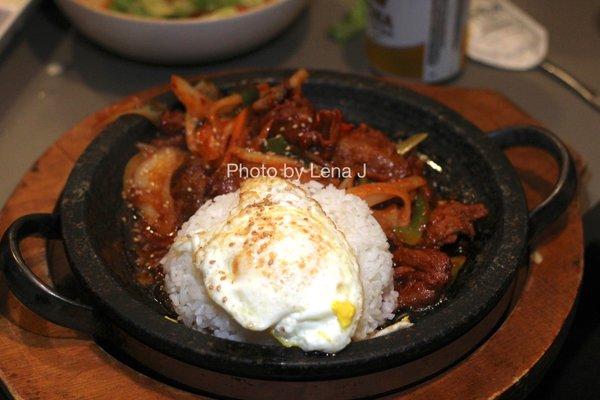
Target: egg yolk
344	311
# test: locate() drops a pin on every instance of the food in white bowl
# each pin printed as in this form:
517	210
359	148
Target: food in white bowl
180	40
184	8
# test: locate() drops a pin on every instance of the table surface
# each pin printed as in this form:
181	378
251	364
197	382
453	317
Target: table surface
51	77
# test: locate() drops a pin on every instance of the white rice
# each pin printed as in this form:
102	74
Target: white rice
351	215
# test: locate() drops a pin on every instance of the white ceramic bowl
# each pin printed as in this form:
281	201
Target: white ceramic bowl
178	41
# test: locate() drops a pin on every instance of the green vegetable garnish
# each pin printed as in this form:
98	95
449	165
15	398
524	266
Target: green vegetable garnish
249	95
412	233
353	23
277	145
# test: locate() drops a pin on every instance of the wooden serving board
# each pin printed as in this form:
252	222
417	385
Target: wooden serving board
39	360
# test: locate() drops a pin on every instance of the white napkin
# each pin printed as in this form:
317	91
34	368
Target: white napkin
503	36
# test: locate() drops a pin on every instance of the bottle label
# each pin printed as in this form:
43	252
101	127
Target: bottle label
437	25
399	23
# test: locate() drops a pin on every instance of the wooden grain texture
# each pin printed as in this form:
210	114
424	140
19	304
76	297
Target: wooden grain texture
40	360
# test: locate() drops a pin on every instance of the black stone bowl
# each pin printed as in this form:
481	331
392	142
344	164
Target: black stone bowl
119	312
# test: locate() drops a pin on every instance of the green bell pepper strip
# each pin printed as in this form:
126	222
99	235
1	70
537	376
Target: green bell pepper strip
412	233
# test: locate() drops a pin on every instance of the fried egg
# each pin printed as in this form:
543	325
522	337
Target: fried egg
279	264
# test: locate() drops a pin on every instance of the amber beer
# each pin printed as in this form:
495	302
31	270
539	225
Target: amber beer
420	39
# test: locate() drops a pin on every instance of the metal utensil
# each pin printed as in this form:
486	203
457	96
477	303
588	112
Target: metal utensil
502	35
572	83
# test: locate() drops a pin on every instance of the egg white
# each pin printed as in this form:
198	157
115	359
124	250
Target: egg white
279	263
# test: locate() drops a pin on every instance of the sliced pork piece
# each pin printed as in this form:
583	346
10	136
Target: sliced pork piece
420	276
365	146
451	218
